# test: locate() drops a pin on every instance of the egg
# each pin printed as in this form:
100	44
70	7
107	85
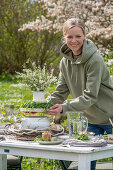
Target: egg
53	126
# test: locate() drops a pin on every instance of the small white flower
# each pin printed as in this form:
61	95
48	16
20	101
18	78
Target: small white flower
110	62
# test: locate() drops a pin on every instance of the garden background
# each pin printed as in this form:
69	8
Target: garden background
31	31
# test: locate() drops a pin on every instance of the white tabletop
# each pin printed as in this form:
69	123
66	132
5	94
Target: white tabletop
60	147
59	152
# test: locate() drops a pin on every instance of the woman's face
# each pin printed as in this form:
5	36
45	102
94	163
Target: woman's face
74	39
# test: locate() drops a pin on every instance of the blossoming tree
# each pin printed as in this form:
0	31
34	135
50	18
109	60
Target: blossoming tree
98	16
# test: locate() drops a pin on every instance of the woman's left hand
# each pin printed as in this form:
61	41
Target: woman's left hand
54	110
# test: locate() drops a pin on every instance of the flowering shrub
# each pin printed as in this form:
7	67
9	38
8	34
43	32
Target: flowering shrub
109	61
98	17
36	78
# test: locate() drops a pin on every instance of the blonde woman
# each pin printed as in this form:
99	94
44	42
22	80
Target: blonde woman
84	74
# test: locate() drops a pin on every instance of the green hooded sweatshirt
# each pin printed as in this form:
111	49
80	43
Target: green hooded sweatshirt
87	79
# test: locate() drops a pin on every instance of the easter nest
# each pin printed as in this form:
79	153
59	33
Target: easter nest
16	130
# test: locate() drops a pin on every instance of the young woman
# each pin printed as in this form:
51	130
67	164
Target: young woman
84	74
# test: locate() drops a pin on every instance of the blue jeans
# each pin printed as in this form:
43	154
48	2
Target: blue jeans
98	129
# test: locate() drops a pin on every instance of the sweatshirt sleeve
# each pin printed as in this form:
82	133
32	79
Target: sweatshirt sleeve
61	92
89	96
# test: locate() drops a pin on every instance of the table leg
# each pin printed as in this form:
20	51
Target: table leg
3	162
83	163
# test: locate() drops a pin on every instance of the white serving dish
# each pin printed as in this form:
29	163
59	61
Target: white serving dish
35	122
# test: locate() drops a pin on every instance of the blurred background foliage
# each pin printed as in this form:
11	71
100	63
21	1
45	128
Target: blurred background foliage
16	48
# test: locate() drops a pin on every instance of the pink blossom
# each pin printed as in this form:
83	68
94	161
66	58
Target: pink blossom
97	14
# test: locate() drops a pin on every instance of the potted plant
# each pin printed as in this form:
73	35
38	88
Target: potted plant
37	79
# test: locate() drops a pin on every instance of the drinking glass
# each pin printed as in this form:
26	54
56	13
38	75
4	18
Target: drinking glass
11	111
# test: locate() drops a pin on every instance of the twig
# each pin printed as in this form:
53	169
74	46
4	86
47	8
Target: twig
111	121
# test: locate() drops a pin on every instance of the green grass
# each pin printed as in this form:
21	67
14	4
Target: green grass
39	164
13	93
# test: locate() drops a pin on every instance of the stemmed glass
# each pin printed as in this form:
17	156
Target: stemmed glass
11	111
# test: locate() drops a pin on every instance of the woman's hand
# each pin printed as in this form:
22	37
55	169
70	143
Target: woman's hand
54	110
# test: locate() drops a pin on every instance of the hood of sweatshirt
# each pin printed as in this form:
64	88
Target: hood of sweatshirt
88	49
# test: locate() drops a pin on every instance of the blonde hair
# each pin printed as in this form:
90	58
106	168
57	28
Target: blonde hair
73	22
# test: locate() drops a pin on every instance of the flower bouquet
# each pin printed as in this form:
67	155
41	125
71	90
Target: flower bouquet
36	78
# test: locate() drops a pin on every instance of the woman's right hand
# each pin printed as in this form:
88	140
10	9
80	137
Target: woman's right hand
54	110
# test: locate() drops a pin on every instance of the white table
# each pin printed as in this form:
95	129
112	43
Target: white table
84	155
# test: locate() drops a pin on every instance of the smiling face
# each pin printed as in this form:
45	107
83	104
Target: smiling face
74	39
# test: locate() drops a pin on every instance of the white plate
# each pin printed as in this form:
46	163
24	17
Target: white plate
63	137
59	141
31	110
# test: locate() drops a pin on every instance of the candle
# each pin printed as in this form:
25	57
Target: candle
46	136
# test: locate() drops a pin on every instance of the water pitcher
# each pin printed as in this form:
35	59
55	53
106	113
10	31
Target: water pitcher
77	123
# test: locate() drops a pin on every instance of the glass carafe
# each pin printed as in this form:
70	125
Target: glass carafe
77	123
